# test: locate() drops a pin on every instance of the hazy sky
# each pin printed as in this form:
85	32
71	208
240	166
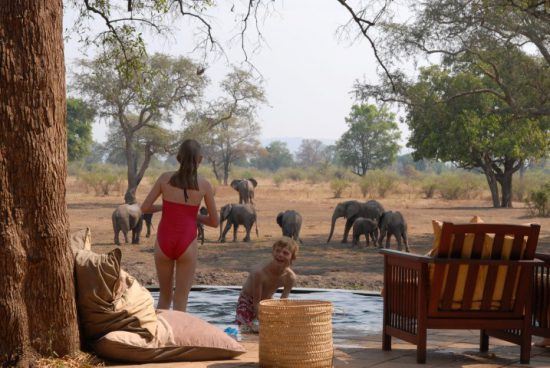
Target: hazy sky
308	73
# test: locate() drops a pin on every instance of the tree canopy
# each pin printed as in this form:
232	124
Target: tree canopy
274	156
371	142
80	117
138	104
468	131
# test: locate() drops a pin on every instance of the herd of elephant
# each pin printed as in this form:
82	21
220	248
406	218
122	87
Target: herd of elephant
368	219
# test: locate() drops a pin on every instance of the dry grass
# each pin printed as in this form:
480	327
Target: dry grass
81	360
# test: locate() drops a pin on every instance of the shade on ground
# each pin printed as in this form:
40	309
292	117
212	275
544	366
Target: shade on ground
446	348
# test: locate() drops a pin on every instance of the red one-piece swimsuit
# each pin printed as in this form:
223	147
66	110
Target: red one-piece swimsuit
177	228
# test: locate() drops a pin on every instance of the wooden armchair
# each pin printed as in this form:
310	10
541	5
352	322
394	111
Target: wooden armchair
489	290
541	297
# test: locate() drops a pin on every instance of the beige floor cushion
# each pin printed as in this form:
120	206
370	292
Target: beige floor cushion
109	299
179	337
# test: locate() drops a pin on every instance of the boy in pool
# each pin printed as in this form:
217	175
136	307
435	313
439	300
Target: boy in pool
264	280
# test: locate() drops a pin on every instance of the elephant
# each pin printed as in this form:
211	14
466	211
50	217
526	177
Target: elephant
393	223
129	217
245	187
350	210
200	227
237	214
367	227
290	222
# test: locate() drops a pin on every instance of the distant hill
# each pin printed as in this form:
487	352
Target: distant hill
293	143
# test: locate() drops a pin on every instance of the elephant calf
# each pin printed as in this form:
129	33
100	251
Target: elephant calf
200	227
367	227
245	187
237	214
290	222
128	217
393	223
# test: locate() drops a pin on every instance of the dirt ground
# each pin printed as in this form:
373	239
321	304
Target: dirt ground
319	265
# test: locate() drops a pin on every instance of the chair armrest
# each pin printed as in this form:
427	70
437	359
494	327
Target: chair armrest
486	262
405	256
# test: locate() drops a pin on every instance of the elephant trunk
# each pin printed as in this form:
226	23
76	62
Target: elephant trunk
334	217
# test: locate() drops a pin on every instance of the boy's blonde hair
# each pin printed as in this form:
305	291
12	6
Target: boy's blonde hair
286	242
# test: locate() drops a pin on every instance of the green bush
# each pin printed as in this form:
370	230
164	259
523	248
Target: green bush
429	186
531	181
278	179
292	173
103	178
460	185
538	201
378	181
338	186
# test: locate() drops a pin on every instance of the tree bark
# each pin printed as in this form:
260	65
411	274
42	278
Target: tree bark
493	186
37	303
131	173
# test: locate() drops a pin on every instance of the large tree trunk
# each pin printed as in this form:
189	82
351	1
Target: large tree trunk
506	185
493	186
37	296
132	170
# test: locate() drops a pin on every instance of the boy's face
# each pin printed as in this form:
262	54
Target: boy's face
282	255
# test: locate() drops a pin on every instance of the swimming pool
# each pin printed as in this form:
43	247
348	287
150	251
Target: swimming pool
354	314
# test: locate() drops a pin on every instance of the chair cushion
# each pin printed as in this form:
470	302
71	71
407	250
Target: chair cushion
466	252
179	337
108	299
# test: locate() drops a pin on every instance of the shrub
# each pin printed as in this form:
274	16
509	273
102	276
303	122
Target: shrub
338	186
292	173
538	201
429	186
103	178
532	180
379	182
459	185
278	179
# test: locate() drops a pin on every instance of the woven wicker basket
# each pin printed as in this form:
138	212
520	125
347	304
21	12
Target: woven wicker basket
295	333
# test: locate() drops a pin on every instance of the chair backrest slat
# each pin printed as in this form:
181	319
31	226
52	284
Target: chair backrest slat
482	280
473	271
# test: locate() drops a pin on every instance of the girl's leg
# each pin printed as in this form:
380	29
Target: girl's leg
165	274
185	274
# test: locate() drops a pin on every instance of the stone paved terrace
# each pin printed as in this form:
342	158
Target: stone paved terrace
446	348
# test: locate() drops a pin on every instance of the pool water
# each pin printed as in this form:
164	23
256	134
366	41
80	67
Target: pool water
354	314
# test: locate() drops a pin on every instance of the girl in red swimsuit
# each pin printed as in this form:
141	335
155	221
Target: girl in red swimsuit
176	247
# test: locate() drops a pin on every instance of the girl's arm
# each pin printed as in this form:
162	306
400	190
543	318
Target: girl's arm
148	205
212	218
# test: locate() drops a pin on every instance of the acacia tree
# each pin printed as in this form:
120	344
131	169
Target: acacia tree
312	152
468	132
228	142
227	127
371	140
135	101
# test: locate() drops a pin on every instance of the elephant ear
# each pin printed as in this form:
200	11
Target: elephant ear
235	183
280	219
253	181
226	210
352	210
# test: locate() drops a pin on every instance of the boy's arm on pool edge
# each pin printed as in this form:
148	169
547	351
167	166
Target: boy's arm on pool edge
288	285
